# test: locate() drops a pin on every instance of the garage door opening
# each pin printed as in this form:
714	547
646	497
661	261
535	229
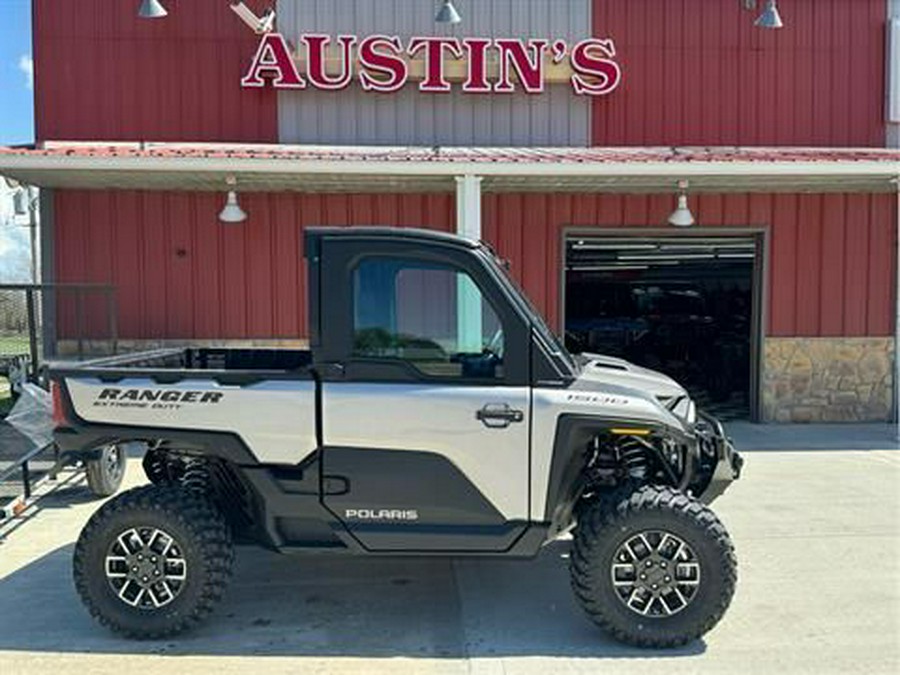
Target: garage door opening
686	306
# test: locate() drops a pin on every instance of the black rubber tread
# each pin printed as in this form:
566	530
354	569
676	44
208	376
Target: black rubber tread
99	479
598	535
203	535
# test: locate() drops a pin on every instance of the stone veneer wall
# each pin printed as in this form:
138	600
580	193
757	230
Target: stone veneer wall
828	379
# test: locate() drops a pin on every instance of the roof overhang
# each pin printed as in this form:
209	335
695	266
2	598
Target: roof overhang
276	168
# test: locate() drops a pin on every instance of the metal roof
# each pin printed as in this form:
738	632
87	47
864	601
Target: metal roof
203	167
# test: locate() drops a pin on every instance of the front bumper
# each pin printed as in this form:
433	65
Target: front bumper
718	456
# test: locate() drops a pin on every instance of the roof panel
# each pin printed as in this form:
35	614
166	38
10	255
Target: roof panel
203	167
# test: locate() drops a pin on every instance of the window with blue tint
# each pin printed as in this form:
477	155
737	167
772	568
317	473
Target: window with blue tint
431	316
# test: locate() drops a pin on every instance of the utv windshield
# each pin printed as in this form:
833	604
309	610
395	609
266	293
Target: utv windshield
559	352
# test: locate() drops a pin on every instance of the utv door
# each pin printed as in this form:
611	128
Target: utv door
425	398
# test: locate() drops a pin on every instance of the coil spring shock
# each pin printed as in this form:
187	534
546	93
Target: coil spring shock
633	456
196	477
162	467
155	467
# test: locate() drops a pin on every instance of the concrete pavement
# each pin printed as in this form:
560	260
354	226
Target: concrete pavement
819	592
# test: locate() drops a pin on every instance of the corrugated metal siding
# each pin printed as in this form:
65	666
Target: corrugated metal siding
832	256
408	117
180	274
698	72
103	74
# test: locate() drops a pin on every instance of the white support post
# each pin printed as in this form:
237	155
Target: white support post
893	74
468	224
468	206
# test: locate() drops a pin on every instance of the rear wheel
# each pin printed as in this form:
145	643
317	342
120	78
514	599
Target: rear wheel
105	474
655	568
153	562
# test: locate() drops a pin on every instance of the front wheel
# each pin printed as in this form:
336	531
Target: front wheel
655	568
153	561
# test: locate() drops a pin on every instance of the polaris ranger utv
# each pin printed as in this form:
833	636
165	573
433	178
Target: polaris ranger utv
434	414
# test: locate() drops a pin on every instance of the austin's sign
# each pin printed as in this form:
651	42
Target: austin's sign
382	63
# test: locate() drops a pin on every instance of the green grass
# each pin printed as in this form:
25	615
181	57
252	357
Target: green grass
12	345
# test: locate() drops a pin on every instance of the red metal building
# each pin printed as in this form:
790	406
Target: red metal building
782	137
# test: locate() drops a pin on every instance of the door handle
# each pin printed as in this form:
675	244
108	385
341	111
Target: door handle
498	415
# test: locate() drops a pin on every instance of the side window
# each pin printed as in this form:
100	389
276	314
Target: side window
429	315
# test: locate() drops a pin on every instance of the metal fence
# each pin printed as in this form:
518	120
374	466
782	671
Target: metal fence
34	320
33	317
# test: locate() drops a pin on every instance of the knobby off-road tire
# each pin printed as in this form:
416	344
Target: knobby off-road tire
153	562
650	525
105	474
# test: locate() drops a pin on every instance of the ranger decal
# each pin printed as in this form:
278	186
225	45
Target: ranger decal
159	399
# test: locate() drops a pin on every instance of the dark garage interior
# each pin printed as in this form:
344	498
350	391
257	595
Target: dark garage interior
680	305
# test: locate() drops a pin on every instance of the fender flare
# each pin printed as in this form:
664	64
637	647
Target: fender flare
566	481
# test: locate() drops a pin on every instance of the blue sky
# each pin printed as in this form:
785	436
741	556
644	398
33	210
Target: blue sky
16	93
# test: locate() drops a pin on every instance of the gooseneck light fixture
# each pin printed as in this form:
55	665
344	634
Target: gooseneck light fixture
682	216
258	24
152	9
447	13
232	213
770	18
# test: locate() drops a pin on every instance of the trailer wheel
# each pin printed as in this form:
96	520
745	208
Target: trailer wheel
105	474
655	568
153	562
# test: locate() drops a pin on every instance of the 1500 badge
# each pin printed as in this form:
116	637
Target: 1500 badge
601	399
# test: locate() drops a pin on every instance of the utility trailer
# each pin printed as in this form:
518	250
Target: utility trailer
434	413
31	462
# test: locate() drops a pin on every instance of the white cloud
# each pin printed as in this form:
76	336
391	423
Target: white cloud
26	65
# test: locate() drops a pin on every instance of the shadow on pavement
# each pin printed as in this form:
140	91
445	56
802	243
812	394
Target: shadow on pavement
338	606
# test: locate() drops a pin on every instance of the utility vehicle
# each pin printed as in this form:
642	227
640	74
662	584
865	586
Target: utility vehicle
434	414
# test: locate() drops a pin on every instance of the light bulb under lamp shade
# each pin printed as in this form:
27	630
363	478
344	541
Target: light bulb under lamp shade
682	216
232	213
152	9
770	18
448	13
